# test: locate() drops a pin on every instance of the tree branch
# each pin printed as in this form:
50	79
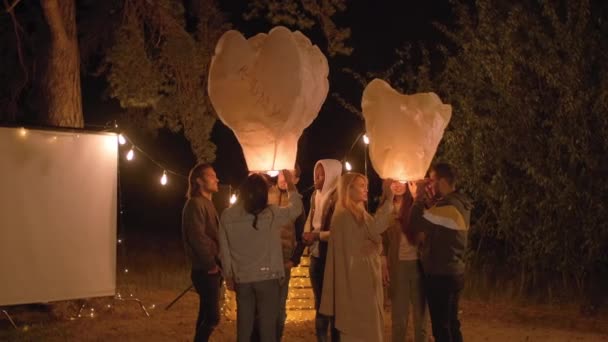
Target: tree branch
9	9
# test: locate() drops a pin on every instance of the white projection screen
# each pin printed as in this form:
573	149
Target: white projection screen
58	195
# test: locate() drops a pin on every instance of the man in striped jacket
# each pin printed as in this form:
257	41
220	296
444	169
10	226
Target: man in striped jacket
444	227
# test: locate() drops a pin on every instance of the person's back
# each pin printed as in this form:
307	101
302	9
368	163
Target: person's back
255	253
252	257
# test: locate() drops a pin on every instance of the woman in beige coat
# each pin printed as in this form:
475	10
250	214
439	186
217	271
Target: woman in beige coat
352	284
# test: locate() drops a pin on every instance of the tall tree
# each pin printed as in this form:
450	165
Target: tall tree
307	15
60	87
46	82
157	67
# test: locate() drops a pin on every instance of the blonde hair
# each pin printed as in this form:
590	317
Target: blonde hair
346	182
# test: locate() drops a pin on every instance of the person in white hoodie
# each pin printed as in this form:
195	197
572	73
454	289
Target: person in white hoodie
316	234
252	256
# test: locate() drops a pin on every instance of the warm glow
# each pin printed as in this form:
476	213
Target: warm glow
272	173
163	179
406	130
22	132
365	139
280	81
347	166
130	154
233	199
121	139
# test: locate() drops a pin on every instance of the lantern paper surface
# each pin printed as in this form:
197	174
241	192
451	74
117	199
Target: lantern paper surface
404	130
267	89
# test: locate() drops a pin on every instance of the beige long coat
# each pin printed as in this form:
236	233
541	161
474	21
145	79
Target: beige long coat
352	284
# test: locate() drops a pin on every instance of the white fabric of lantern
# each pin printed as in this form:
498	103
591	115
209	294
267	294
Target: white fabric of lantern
267	89
404	130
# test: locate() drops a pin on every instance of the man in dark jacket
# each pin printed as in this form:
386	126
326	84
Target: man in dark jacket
200	234
444	226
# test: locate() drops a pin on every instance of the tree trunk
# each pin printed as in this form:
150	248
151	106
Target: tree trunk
60	88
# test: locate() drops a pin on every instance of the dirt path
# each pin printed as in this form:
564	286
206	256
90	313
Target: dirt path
125	322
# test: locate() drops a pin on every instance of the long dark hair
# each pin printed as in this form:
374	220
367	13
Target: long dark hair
254	193
197	172
404	217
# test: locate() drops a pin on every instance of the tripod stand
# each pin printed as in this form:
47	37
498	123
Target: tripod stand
179	297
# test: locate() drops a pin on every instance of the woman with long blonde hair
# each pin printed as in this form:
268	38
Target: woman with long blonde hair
352	284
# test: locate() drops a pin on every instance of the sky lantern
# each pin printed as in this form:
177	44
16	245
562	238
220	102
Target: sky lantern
267	89
404	130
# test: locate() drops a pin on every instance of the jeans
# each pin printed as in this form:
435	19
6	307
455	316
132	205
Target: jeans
322	323
443	294
284	292
407	287
208	288
261	298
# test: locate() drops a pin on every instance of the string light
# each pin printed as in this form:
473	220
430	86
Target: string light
233	199
130	154
22	132
365	139
163	179
121	139
347	166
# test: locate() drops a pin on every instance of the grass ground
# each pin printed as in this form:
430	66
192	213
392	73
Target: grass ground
157	274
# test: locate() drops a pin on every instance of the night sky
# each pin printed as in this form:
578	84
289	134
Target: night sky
378	28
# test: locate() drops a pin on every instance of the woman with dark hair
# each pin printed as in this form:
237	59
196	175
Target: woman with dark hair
401	269
200	237
252	257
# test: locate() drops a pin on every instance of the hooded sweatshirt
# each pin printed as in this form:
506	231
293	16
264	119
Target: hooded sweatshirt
321	199
446	226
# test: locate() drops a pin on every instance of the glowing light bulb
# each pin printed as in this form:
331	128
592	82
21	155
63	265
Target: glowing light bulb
347	166
121	139
272	173
22	132
365	139
130	154
233	199
163	179
126	270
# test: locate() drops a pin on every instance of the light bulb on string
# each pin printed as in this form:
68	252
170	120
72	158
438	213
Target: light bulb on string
121	139
232	199
347	166
365	139
163	179
130	154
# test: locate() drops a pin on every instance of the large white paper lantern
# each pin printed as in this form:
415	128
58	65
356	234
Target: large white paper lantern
404	130
267	89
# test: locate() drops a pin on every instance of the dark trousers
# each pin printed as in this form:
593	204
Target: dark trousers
323	323
257	304
283	293
208	288
443	294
